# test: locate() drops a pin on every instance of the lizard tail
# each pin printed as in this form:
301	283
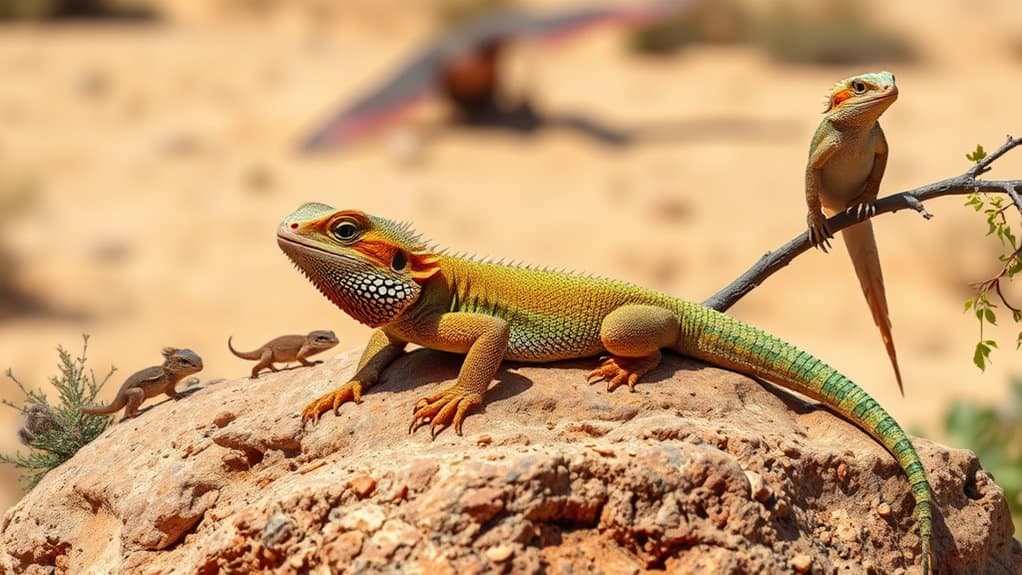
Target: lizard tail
113	407
242	354
862	249
722	340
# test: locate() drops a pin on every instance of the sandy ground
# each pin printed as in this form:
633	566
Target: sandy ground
163	159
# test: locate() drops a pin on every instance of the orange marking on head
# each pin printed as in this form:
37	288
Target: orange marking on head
380	252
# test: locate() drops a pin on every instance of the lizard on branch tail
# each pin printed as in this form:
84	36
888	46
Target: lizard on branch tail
847	158
150	382
382	274
287	348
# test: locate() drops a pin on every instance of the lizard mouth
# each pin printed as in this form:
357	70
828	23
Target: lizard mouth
889	94
290	242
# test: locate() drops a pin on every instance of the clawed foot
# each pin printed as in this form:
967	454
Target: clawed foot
351	391
618	370
819	233
862	211
444	408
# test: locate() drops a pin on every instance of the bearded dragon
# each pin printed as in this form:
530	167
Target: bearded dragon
151	382
382	274
847	158
287	348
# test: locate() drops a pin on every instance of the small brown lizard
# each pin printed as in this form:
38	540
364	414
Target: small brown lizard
847	159
287	348
151	382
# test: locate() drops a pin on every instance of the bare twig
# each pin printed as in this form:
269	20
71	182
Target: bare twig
964	184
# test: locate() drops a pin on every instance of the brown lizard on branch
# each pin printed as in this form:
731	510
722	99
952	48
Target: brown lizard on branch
847	158
287	348
151	382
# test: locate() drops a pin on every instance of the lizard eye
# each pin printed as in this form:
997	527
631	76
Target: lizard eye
344	230
859	86
400	261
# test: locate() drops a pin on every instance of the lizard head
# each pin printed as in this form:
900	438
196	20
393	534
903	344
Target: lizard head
321	339
181	361
370	267
862	98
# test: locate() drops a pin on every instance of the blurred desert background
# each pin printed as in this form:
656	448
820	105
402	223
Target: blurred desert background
145	162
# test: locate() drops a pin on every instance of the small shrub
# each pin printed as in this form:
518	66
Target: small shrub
721	22
43	9
995	434
55	432
840	32
454	13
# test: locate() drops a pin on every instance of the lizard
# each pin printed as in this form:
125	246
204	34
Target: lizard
847	158
150	382
287	348
385	276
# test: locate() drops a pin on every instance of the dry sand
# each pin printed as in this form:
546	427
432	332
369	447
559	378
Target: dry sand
163	156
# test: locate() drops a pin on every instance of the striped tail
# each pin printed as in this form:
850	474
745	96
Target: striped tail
722	340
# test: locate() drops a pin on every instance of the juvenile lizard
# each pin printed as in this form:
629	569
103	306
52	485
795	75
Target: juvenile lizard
383	275
151	382
287	348
847	158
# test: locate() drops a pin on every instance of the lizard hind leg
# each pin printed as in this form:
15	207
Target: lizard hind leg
634	335
134	396
265	360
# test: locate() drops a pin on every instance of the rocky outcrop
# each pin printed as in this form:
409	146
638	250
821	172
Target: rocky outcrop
699	471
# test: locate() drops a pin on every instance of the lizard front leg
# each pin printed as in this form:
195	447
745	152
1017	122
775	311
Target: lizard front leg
822	148
300	357
634	335
381	351
483	339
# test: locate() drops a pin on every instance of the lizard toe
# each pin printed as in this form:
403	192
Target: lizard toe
351	391
624	370
444	409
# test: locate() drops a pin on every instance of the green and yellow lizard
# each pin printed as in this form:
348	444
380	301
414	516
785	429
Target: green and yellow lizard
382	274
847	158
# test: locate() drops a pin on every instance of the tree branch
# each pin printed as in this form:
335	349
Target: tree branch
964	184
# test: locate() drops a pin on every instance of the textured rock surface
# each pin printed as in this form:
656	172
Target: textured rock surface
699	471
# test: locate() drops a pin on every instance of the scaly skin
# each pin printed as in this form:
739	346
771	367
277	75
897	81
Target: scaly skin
150	382
287	348
383	275
847	158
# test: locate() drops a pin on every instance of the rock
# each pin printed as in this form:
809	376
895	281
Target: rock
700	471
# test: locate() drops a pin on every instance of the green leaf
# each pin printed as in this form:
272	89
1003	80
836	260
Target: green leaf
976	155
989	316
979	357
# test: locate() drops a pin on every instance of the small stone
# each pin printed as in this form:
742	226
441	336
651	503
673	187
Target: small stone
363	486
758	488
367	519
500	553
801	563
842	472
223	418
484	440
884	510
